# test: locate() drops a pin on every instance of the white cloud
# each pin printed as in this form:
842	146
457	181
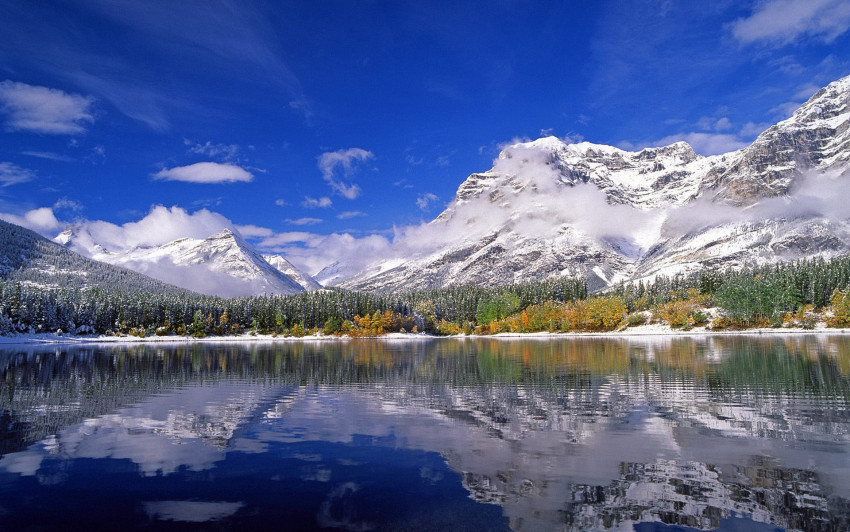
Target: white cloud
44	110
159	226
41	220
785	21
312	203
304	221
707	123
280	202
583	207
347	215
254	231
424	200
785	110
205	173
347	159
12	174
722	124
702	142
706	143
65	203
753	129
312	252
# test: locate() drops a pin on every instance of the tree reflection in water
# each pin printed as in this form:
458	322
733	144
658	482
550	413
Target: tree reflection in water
576	434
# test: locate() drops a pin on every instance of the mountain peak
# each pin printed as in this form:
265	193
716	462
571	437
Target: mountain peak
226	234
550	208
830	106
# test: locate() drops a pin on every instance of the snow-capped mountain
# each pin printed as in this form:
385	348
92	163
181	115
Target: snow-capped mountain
280	263
29	258
550	208
223	264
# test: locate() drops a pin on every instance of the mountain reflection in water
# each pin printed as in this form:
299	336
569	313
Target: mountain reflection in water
573	434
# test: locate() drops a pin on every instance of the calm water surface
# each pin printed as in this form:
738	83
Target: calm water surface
722	433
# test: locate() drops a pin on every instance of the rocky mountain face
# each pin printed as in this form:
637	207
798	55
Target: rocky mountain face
223	264
549	208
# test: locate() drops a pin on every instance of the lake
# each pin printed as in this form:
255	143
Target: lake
646	434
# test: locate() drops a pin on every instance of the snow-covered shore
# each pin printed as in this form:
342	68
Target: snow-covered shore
639	331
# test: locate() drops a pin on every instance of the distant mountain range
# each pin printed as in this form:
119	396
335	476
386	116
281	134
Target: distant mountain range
29	258
549	208
223	264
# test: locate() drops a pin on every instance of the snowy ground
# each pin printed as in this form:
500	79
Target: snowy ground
643	330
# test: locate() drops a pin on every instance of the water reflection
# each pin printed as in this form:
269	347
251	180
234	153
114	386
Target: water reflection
560	434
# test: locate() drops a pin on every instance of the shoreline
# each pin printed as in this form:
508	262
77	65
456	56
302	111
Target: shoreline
642	331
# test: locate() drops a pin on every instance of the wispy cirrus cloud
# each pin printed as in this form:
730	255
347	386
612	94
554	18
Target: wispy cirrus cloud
194	30
12	174
44	110
786	21
205	173
49	155
225	37
347	160
225	152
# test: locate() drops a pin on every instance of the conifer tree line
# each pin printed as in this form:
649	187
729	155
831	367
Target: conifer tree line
749	295
760	296
25	307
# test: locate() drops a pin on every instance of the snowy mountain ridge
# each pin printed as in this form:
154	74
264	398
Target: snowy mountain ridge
223	264
282	265
551	208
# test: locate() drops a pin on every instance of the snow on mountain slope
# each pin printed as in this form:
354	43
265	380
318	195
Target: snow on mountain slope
287	268
223	264
784	197
549	208
29	258
815	139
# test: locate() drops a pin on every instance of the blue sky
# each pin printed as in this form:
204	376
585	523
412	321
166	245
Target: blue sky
326	124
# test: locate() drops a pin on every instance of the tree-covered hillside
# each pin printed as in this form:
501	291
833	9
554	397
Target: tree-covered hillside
44	287
30	259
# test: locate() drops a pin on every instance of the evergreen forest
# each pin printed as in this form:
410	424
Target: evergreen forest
789	294
47	288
